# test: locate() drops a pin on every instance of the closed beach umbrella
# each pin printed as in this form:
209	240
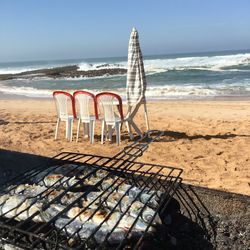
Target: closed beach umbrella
136	80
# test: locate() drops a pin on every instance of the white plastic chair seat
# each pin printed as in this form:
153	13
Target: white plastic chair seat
91	118
70	117
89	125
111	127
116	119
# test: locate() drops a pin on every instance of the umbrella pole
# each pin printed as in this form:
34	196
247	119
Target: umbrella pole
146	115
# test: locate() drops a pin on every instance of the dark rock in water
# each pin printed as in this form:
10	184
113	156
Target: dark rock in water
102	65
62	72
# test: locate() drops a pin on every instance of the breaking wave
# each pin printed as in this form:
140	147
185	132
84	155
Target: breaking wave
152	64
213	63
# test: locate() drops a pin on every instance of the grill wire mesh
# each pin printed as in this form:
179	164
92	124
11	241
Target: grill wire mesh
83	201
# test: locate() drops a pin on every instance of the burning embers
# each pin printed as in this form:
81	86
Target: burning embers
85	205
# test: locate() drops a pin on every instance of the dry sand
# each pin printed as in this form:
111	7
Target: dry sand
210	140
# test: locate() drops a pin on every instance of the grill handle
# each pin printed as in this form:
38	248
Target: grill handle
136	150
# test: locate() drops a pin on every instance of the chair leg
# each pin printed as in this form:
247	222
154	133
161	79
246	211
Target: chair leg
118	132
110	132
71	130
78	129
103	131
92	129
57	128
67	130
86	130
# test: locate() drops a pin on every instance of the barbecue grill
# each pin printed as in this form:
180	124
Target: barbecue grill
84	201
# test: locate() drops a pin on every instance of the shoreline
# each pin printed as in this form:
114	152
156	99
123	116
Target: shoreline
4	96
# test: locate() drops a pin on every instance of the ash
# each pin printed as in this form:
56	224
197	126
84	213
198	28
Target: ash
200	218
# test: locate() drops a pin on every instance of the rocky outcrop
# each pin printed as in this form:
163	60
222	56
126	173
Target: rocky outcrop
62	72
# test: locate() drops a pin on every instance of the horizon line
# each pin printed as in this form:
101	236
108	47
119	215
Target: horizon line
144	55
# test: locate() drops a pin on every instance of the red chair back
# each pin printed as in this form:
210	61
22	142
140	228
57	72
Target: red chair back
83	92
117	97
55	93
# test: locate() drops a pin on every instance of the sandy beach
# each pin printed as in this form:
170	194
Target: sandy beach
209	140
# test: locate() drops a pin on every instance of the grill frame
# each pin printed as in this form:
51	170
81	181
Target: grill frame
122	164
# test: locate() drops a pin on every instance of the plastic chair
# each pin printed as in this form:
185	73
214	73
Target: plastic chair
110	106
86	103
64	101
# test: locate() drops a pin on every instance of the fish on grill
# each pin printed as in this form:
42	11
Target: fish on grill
92	215
3	198
52	211
57	180
146	213
113	210
27	209
10	205
110	219
84	201
84	231
66	198
28	190
134	207
20	208
57	172
102	223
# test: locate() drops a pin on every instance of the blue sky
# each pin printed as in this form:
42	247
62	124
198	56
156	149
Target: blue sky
60	29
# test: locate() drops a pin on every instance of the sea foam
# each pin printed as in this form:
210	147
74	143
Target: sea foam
153	92
213	63
102	65
154	66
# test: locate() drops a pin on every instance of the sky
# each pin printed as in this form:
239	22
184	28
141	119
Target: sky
71	29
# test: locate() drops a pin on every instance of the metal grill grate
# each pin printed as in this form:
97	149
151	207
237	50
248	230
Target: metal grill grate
83	201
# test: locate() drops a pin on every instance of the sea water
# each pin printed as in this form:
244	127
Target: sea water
179	76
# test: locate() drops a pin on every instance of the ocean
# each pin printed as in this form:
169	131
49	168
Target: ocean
179	76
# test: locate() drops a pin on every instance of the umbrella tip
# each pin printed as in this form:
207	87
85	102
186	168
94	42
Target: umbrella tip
134	29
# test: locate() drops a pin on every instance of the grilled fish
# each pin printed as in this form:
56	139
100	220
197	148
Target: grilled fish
56	180
146	198
8	208
3	198
146	213
27	209
91	215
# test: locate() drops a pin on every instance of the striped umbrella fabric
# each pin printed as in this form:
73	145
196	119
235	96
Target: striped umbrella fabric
136	80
